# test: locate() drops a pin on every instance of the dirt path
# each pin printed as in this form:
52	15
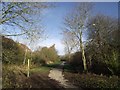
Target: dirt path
57	75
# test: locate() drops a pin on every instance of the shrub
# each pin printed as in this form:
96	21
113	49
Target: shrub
45	55
12	51
93	81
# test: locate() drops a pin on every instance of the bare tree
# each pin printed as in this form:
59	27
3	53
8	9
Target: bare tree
75	23
32	40
21	15
24	18
69	43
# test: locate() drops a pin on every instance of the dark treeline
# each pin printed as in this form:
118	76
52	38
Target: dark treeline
102	48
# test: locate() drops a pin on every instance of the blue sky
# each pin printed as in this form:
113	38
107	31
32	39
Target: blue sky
53	21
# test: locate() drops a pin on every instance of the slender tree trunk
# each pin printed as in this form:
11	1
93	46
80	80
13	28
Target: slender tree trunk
90	61
69	54
25	57
28	71
68	51
31	56
69	57
83	54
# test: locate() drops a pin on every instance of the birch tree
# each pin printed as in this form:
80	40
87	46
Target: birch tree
75	23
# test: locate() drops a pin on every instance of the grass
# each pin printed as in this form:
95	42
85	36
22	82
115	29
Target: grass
14	75
54	65
41	69
68	67
45	68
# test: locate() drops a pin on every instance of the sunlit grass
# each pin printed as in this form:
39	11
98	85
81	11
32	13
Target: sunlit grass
40	69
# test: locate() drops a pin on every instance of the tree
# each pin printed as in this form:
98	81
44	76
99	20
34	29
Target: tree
104	42
45	55
31	40
24	18
75	23
13	52
69	43
21	16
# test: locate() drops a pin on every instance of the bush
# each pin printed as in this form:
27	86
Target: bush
12	52
45	55
93	81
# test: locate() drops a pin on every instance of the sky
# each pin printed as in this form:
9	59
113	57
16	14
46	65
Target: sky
53	21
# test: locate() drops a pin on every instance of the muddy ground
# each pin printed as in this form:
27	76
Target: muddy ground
15	78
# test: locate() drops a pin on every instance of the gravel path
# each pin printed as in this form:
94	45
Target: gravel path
57	75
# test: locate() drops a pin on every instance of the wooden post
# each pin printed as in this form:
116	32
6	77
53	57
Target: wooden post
28	72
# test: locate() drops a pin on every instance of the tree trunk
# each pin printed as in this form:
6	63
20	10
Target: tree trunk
69	57
83	54
28	71
83	58
25	57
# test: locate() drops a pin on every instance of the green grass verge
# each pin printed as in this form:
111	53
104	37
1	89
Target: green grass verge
41	69
54	65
